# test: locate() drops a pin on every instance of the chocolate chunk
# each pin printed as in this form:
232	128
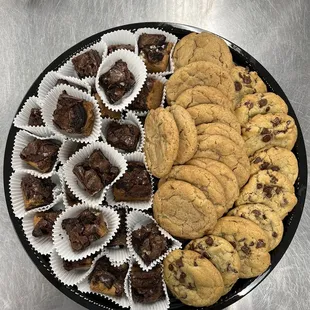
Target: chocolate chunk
134	185
260	244
209	241
149	243
259	185
190	286
268	191
84	229
274	168
170	267
35	117
249	105
264	166
123	136
274	235
65	82
83	264
245	249
266	138
182	277
206	255
238	86
40	154
233	243
251	243
245	78
117	81
257	213
273	179
115	47
257	160
265	131
37	192
278	190
267	109
231	269
241	240
195	263
179	262
44	222
262	102
275	122
119	239
285	202
146	286
87	64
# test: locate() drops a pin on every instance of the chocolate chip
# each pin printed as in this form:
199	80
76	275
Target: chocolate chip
190	287
262	102
265	131
206	255
257	160
179	262
238	86
231	269
182	277
266	138
264	166
245	249
241	240
245	78
200	246
249	105
233	243
273	179
260	244
275	122
274	235
275	168
285	201
278	190
264	217
170	267
195	263
251	243
257	213
259	185
268	191
209	241
267	109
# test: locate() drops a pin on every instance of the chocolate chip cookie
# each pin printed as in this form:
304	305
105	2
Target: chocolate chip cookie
223	174
211	113
269	130
202	46
192	278
270	188
204	180
200	73
161	141
249	240
266	218
222	255
187	133
222	149
203	95
246	82
259	103
183	210
276	159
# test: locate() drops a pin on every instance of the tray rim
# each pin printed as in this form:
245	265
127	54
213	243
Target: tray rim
294	219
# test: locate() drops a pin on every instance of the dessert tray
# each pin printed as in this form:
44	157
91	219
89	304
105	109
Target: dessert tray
88	177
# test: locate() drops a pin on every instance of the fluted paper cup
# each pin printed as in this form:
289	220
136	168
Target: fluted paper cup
67	149
61	239
137	68
50	105
115	158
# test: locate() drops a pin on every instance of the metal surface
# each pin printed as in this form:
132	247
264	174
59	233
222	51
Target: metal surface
33	33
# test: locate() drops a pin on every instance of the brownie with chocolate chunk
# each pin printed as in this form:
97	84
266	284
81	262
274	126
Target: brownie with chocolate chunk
43	223
146	286
155	51
82	264
84	229
36	192
117	81
123	136
74	115
65	82
115	47
35	117
87	64
134	185
107	279
40	154
149	243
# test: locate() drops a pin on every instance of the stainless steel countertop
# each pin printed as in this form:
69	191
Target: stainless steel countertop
35	32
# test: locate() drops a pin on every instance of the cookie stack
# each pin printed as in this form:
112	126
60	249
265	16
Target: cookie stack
223	141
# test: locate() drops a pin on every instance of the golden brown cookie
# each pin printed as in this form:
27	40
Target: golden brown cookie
223	174
259	103
276	159
161	141
183	210
187	134
269	130
249	240
202	46
203	95
200	73
266	218
211	113
202	179
192	279
222	255
204	130
270	188
222	149
246	82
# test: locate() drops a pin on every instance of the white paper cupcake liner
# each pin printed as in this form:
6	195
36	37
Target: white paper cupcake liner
135	220
68	69
16	195
115	158
84	287
91	81
50	104
71	277
22	118
137	68
67	149
137	205
169	38
120	37
50	79
44	245
61	239
162	304
131	118
22	139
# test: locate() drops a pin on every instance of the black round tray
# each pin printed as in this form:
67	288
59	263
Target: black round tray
243	286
